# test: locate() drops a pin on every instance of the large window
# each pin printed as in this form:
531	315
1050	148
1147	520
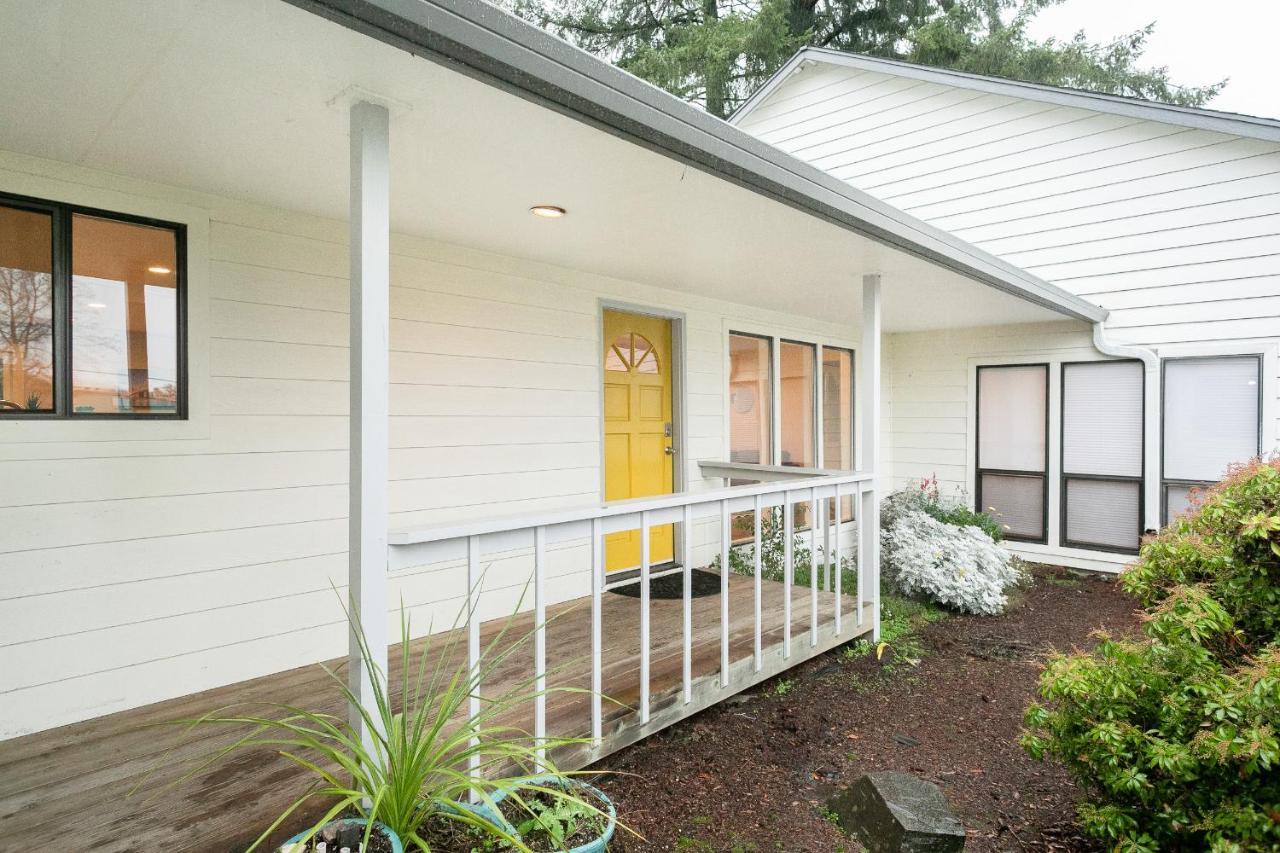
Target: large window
1102	454
837	417
91	313
799	409
1212	418
1013	432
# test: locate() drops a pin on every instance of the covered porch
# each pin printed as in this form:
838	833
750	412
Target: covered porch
394	375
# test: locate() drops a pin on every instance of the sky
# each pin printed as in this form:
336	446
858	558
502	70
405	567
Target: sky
1200	42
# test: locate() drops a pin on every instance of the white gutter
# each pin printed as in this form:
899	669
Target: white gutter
1150	418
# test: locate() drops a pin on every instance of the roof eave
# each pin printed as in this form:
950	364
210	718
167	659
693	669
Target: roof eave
485	42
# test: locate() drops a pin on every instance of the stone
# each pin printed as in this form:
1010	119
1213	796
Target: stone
892	812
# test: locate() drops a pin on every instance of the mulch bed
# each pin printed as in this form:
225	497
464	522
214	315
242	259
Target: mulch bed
752	774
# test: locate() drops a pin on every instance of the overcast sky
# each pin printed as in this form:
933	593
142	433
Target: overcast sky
1201	42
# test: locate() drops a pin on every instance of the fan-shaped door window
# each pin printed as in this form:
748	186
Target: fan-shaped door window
631	352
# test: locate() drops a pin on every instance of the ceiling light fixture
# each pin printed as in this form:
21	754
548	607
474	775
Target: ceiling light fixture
159	270
96	304
547	211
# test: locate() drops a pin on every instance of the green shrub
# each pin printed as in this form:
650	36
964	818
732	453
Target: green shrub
927	498
1175	736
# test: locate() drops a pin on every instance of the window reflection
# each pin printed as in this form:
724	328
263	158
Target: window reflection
124	317
26	310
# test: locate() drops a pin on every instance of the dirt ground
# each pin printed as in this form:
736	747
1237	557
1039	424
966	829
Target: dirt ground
752	774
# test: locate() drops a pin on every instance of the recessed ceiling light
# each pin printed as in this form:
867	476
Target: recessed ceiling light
547	211
159	270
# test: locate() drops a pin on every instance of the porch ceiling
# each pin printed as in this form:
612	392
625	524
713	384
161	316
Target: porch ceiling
248	99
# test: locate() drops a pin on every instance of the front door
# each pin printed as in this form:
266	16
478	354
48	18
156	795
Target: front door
638	442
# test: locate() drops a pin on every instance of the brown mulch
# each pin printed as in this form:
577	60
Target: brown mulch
751	775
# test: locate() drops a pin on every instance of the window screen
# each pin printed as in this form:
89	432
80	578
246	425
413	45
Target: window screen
1211	420
1102	446
1013	403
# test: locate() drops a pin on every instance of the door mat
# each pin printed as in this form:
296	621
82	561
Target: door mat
672	585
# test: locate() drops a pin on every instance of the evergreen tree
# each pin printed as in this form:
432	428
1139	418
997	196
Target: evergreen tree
717	52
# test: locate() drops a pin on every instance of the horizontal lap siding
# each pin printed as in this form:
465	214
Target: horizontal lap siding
1175	230
144	569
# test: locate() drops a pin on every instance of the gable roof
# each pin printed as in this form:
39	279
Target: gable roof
485	42
1233	123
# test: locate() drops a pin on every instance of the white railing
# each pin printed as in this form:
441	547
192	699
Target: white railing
469	541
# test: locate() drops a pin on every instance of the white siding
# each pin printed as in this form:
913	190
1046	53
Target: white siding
1175	230
143	561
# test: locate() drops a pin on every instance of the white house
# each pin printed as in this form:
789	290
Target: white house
1167	217
409	297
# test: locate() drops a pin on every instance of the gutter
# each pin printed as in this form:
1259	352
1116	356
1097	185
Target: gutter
1151	426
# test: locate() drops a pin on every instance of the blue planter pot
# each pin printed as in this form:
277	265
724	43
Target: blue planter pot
600	844
396	845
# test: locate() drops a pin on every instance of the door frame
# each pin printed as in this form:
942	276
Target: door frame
679	384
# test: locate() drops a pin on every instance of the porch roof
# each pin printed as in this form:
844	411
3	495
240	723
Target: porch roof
248	100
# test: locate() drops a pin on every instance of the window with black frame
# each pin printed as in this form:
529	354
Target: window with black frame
1102	455
1212	419
91	313
1011	477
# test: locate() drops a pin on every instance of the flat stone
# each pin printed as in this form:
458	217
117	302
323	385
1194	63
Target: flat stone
893	812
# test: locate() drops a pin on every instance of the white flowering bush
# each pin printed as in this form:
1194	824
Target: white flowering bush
960	567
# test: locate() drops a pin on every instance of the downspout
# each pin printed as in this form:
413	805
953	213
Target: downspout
1150	419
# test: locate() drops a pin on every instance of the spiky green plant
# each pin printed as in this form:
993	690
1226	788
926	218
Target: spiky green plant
415	765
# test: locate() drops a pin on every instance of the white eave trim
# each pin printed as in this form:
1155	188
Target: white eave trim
482	41
1236	124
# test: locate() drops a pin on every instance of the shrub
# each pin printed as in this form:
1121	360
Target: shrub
927	498
958	567
1175	735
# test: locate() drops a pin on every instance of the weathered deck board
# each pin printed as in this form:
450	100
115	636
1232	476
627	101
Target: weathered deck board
68	786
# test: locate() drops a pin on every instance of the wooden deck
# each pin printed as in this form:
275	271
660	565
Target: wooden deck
66	789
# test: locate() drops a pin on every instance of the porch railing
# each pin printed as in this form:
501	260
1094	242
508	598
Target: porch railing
470	541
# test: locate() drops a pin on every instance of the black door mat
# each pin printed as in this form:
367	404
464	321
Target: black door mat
672	586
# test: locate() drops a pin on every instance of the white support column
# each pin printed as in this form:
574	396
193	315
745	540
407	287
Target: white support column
370	312
869	385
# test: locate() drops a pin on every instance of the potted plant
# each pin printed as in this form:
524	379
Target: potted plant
560	813
411	788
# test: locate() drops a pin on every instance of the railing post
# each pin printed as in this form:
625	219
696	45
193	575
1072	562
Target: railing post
813	568
686	663
644	617
835	500
724	593
788	568
540	640
370	253
473	649
597	584
759	654
869	374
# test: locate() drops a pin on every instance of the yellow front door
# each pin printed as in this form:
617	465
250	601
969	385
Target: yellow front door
638	442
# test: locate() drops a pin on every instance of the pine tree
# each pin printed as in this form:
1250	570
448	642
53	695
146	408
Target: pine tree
717	52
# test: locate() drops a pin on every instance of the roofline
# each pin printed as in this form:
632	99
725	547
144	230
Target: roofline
1237	124
487	43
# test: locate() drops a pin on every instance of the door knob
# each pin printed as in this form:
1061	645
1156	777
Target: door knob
669	450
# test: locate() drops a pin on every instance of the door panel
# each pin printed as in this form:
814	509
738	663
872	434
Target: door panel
637	427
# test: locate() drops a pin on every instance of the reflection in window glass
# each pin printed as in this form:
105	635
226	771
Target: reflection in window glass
797	404
837	416
124	310
26	310
750	399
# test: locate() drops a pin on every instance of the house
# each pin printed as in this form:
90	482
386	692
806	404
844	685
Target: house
1167	217
411	300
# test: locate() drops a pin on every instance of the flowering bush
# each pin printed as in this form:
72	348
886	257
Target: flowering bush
957	567
1175	736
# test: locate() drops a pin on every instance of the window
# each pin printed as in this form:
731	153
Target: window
1013	433
1102	454
1212	418
750	399
799	409
91	314
837	417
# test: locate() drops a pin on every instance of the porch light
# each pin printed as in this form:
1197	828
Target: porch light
547	211
159	270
